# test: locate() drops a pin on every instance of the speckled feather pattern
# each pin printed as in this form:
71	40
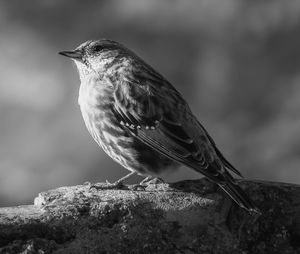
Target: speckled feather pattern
96	102
141	121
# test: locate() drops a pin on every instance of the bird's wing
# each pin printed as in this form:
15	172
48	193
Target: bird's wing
152	110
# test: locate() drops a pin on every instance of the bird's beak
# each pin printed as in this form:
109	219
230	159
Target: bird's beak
76	54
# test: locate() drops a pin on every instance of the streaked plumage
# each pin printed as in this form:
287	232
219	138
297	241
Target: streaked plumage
141	121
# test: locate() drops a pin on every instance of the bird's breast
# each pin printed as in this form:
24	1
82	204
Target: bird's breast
96	102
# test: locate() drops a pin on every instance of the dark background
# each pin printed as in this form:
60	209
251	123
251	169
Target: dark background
236	62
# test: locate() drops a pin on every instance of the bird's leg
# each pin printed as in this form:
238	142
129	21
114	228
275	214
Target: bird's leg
145	180
116	185
121	180
142	184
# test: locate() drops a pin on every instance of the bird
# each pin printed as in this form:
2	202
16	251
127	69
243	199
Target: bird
142	122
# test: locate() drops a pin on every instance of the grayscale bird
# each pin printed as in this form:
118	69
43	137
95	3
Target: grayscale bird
141	121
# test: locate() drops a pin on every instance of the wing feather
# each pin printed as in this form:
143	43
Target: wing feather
152	110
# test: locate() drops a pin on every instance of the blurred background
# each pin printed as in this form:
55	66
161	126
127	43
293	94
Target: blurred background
237	62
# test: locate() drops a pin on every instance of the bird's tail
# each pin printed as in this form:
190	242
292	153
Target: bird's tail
239	196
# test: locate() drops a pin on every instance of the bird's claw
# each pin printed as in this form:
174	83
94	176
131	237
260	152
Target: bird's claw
144	184
136	187
152	180
107	185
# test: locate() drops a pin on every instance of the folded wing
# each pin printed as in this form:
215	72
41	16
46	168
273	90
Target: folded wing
152	110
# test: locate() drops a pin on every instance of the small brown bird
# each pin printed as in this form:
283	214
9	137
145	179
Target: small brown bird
141	121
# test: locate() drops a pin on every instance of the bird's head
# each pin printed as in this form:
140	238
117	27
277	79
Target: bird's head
96	56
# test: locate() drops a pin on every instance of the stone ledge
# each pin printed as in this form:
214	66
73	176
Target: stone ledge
183	217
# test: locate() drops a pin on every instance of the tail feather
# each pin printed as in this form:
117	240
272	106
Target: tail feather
227	163
239	196
218	174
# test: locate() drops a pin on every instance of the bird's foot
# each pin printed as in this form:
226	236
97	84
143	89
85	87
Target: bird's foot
109	186
137	187
118	185
151	180
145	182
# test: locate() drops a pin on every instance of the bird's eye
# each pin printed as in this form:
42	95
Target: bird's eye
97	48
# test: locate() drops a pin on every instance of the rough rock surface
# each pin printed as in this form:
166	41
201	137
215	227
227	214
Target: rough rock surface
183	217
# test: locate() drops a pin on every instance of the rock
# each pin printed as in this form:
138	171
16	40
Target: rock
183	217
